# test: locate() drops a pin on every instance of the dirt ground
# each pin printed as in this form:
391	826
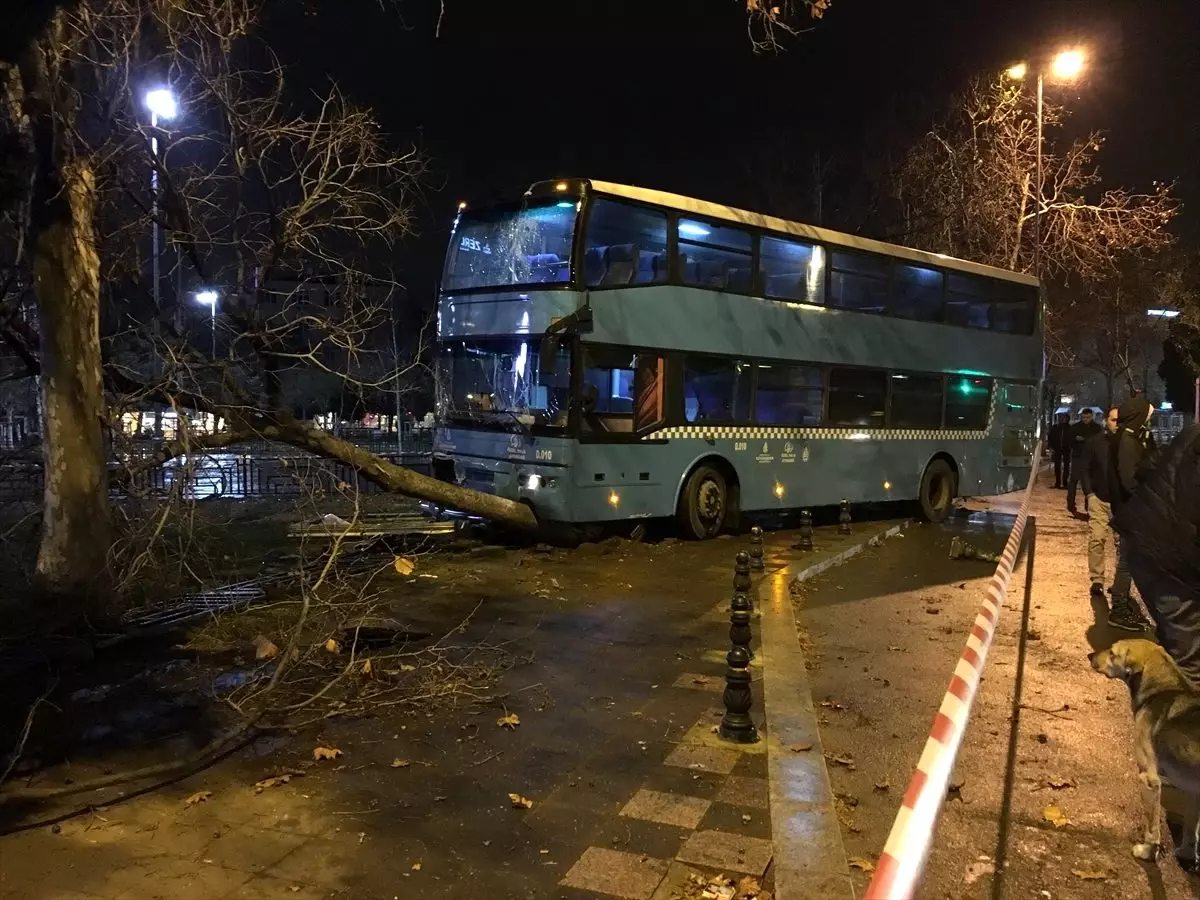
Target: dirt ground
886	635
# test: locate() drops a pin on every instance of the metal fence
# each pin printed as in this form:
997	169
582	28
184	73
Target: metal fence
231	475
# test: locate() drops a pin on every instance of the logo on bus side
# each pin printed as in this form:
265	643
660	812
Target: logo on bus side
765	456
516	446
789	453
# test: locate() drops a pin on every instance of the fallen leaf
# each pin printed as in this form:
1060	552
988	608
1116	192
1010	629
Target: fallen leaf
1059	784
864	865
398	763
264	648
800	748
509	720
883	784
405	667
275	781
416	867
520	802
895	649
1088	875
830	704
404	565
320	753
198	797
366	667
1055	816
333	646
847	761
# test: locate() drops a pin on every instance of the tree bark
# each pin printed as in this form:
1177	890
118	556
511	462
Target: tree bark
76	521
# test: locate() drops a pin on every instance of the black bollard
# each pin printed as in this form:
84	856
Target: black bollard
806	531
844	518
756	549
741	580
736	724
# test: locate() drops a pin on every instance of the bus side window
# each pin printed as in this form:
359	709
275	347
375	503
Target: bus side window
792	271
916	293
625	244
716	390
789	395
715	256
1015	309
857	397
860	281
967	301
968	399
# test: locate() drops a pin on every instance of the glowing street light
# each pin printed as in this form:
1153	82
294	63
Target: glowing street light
209	298
1067	65
162	105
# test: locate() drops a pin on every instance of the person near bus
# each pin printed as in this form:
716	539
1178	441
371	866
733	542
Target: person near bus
1096	478
1081	432
1060	449
1160	526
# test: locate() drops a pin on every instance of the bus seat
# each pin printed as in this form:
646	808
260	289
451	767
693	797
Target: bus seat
593	265
786	287
739	280
646	266
691	408
620	264
661	269
690	269
546	267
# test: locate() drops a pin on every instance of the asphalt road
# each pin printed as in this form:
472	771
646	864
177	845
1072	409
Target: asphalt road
884	634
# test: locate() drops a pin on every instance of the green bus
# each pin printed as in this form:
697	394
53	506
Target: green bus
608	353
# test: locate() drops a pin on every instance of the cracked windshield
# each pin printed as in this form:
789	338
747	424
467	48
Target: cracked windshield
512	245
501	380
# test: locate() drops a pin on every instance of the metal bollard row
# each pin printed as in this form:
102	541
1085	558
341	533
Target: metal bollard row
736	724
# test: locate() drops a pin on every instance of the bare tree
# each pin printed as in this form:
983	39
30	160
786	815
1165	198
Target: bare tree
772	21
968	189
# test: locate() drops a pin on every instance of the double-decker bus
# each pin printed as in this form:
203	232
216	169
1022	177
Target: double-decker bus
607	352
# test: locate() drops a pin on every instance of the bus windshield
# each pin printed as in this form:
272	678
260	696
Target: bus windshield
512	245
499	381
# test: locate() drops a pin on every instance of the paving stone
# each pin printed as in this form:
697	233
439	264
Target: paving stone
669	809
727	851
265	887
738	790
708	759
628	875
744	820
252	849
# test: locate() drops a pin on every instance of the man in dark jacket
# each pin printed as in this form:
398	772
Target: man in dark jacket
1160	526
1081	432
1094	474
1059	441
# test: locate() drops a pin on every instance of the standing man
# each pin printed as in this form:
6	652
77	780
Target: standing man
1081	432
1098	488
1060	448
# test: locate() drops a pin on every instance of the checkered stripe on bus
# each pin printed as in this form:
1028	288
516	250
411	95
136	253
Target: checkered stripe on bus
735	432
780	433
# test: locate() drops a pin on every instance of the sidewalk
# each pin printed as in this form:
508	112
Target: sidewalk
887	634
630	793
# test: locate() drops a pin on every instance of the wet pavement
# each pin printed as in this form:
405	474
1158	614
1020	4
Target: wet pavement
884	635
621	788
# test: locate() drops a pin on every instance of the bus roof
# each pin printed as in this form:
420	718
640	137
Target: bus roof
770	223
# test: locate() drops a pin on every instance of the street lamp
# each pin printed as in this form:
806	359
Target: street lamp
1066	65
162	105
209	298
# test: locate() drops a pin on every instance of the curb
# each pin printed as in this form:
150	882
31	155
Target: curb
809	858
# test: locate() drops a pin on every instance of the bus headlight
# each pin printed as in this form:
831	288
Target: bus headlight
532	481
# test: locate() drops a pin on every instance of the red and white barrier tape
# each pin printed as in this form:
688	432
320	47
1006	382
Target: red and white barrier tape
907	846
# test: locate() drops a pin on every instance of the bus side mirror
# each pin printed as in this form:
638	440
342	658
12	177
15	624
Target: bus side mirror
548	356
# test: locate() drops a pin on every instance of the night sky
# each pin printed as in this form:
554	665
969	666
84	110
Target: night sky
633	91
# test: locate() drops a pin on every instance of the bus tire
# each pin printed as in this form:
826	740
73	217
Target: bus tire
939	487
704	504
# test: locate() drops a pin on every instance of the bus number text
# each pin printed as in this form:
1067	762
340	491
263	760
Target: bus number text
543	454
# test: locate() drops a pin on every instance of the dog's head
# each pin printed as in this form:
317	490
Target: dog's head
1124	658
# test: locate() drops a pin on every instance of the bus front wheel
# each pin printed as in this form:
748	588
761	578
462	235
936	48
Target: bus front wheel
939	486
703	504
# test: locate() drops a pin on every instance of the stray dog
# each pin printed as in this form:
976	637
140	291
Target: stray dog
1166	728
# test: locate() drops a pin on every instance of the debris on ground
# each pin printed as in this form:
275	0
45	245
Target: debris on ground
276	780
977	869
509	721
198	797
860	863
320	753
960	549
264	648
1055	816
520	802
720	887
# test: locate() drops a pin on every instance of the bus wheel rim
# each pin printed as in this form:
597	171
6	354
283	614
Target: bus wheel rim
709	503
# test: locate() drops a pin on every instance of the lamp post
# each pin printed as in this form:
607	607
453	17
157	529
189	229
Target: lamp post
1065	66
209	298
162	105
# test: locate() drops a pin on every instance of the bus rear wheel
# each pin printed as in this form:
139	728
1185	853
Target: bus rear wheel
704	504
939	487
